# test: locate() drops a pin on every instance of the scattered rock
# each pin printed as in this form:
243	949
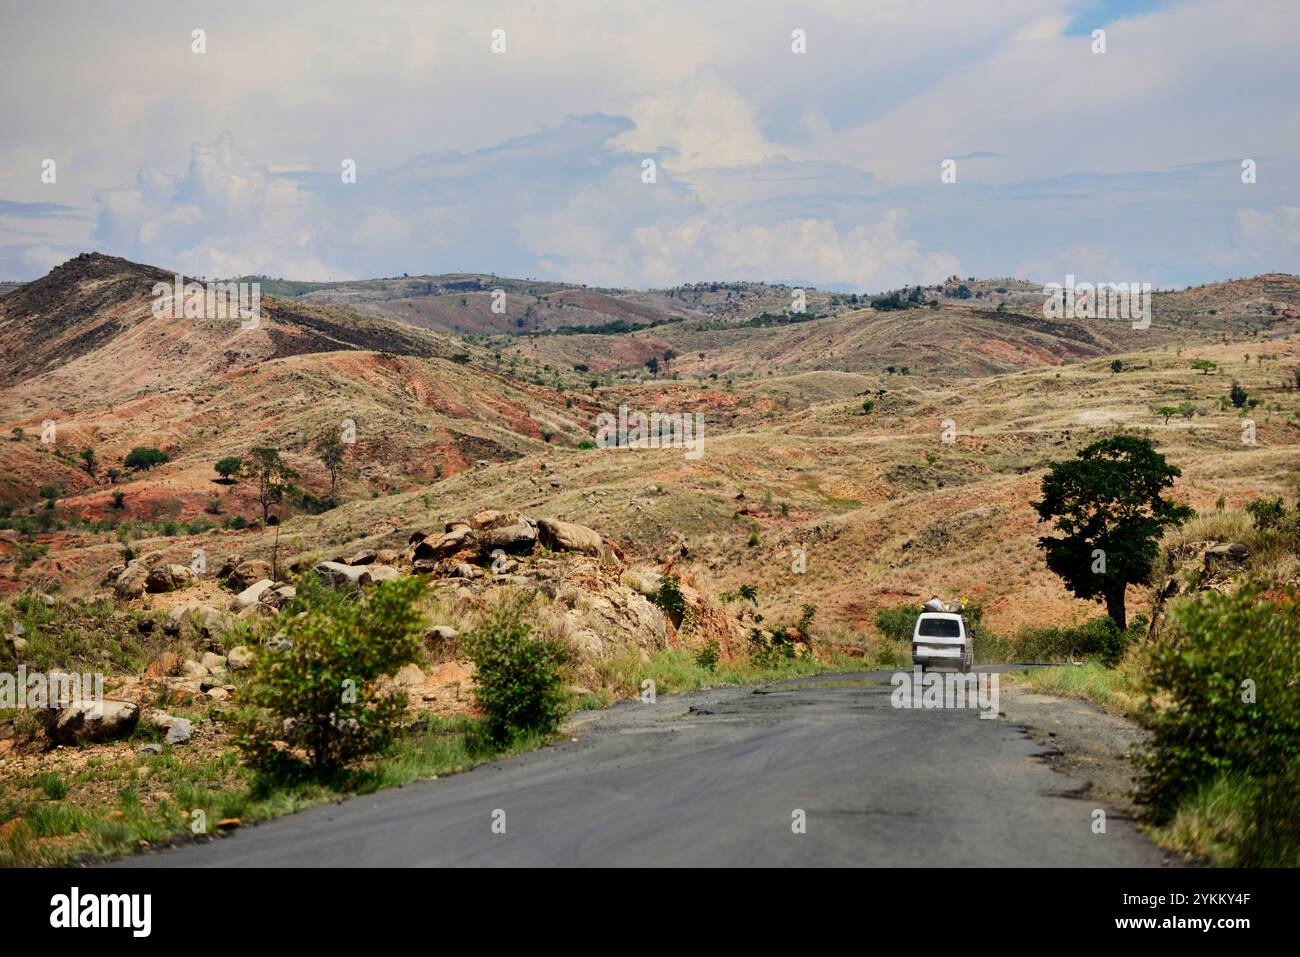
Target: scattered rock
150	750
213	663
279	596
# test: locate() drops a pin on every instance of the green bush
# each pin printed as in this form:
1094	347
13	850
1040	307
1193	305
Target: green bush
1098	638
518	679
1210	724
707	657
668	596
324	696
897	624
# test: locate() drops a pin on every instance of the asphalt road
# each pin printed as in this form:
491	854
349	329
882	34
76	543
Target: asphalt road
716	778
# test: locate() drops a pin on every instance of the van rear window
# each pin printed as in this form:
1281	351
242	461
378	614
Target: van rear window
940	628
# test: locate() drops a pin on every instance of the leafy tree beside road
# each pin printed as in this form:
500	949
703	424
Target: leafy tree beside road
1107	503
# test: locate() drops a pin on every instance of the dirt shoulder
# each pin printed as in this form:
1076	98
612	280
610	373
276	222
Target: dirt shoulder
1083	742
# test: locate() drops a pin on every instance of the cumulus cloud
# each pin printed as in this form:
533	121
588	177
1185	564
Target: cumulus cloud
818	168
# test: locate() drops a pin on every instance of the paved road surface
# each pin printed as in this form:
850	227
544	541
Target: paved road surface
714	778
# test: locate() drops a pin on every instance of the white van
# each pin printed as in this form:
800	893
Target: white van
941	640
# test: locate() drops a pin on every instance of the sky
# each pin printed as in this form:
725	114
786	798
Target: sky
823	167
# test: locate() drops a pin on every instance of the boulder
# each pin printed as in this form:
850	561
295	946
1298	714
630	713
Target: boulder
251	595
164	578
249	572
440	633
279	596
214	663
178	729
1227	551
131	583
239	658
164	666
88	721
443	546
209	622
257	609
409	676
569	537
517	538
336	575
367	557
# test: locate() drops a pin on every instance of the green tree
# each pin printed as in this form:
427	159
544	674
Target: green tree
1238	395
1204	365
329	449
272	475
88	461
113	475
1165	411
1107	502
144	457
1116	365
229	467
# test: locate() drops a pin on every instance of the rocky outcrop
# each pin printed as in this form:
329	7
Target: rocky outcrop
1192	567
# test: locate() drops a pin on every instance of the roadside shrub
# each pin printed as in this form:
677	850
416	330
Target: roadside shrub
1098	638
707	657
518	681
896	624
1227	674
324	696
668	596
